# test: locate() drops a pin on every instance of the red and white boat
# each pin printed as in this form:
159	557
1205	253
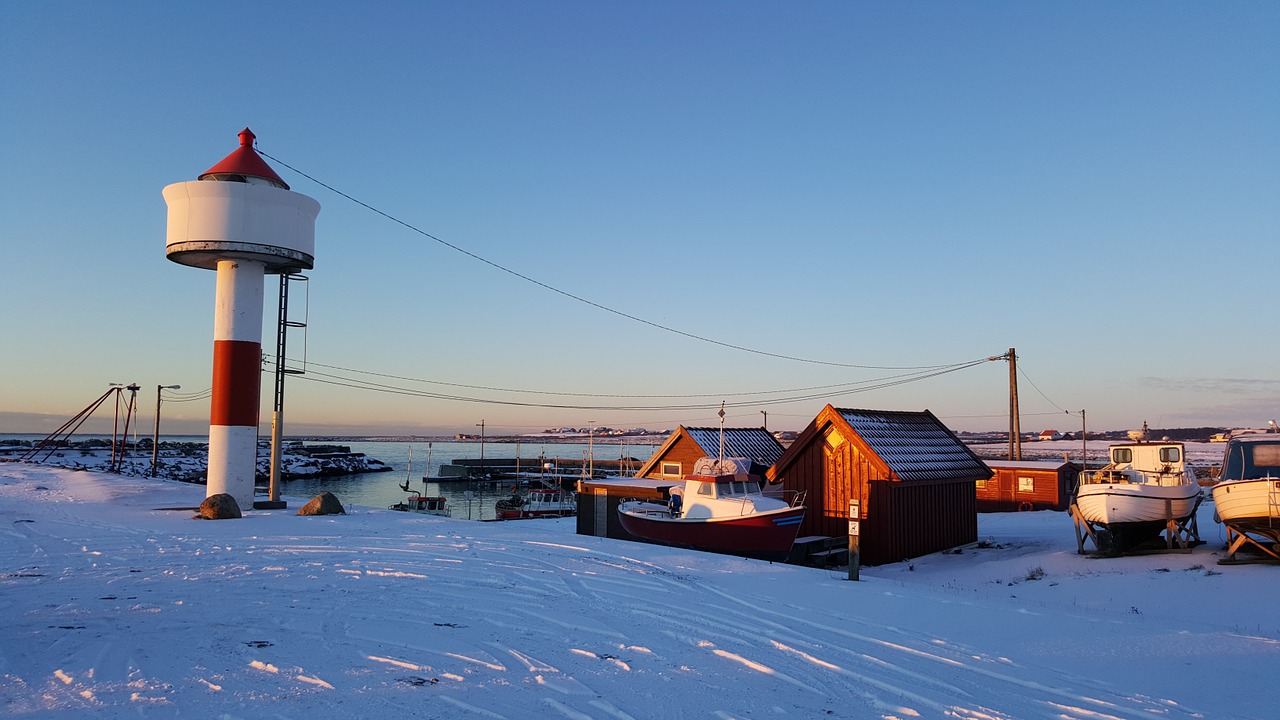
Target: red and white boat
537	503
721	508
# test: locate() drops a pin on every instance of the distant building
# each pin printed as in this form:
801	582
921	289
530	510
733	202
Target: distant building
1027	485
1050	435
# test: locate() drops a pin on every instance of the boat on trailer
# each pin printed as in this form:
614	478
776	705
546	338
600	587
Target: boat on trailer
1247	496
720	508
1145	490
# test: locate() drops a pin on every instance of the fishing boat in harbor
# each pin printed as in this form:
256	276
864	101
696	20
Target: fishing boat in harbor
540	502
1145	490
720	508
418	502
423	504
1247	496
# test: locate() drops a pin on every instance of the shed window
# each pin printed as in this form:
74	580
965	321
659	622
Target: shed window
982	484
1170	455
1026	484
671	469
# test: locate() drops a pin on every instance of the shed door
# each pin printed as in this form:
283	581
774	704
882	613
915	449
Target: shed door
601	497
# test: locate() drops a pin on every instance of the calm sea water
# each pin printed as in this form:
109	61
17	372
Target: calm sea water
467	501
409	461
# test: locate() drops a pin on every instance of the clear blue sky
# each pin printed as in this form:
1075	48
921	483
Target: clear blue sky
1096	184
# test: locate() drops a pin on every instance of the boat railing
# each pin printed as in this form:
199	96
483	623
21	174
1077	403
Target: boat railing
646	506
793	498
1166	476
796	498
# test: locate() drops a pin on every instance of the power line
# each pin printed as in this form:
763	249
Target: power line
342	381
719	395
1024	374
579	298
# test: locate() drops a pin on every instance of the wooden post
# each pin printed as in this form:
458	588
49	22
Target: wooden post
855	516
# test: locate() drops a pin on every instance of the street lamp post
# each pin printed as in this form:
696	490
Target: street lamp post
155	437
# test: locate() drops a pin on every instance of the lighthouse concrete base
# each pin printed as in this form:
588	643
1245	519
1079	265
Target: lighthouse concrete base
233	457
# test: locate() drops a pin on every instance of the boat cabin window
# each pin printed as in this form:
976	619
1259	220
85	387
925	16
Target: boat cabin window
1266	455
706	488
736	488
1121	455
1249	460
1170	455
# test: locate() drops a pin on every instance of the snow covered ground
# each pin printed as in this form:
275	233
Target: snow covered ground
113	600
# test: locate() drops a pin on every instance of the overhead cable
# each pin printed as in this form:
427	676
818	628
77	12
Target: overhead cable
579	298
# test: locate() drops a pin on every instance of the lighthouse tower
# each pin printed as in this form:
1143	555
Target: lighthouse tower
240	219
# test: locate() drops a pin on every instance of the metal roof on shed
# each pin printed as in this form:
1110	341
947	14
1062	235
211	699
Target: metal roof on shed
757	444
915	445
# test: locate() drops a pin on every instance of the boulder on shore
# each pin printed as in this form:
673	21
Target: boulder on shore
219	507
326	503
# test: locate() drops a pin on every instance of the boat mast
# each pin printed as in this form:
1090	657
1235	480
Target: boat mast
721	434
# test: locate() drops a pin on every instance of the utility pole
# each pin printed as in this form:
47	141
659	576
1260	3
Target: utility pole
482	468
1015	424
155	436
766	419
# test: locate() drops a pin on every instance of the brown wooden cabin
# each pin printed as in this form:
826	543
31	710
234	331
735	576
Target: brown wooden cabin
675	457
1027	485
913	479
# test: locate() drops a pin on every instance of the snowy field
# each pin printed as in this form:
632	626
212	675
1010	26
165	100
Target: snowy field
114	601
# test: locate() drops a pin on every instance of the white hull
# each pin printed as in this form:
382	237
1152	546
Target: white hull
1249	504
1112	504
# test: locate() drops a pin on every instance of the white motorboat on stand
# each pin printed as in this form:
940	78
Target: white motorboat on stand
1147	489
1247	496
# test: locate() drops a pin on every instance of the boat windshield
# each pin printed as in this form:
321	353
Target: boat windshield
736	488
1246	461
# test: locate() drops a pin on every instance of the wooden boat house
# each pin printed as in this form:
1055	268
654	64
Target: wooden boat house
912	478
685	446
1027	485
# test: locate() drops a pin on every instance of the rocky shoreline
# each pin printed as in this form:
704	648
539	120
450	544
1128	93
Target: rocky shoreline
188	461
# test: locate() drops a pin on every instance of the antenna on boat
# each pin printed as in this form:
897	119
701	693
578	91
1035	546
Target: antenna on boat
721	433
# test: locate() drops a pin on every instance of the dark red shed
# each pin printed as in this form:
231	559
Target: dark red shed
913	480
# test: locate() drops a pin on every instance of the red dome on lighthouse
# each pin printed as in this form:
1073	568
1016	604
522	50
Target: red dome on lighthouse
243	163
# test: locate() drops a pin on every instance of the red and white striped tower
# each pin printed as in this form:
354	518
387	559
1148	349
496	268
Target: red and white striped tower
240	219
